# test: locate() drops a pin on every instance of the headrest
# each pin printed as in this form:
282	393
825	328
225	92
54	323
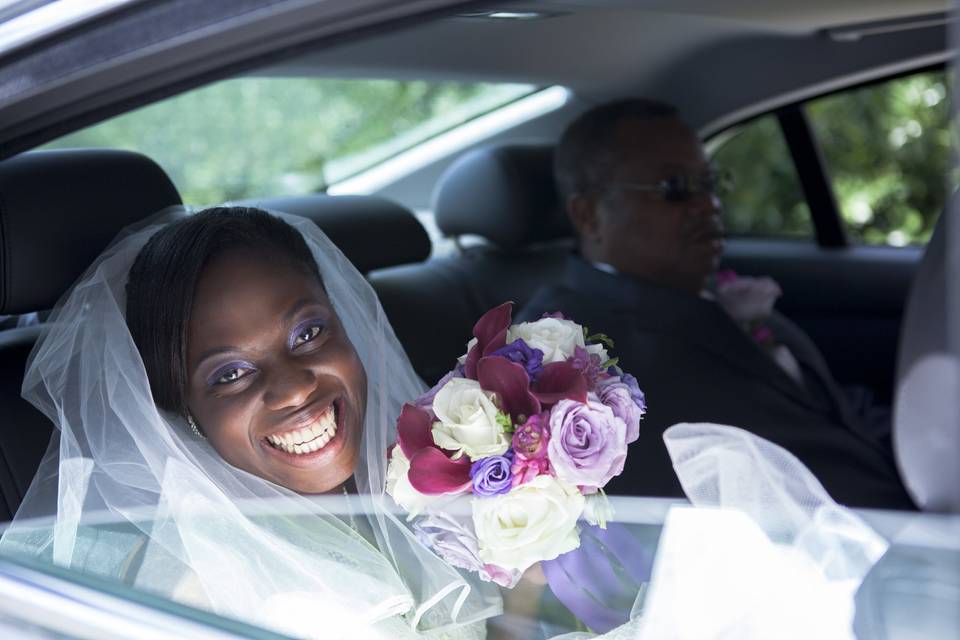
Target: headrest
60	209
926	420
372	232
504	193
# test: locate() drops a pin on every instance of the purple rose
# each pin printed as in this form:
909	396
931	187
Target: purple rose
491	475
450	540
588	443
520	352
617	393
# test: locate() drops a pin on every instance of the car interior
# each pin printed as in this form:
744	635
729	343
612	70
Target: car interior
725	65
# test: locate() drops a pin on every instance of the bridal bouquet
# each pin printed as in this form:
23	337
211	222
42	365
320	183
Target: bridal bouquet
532	423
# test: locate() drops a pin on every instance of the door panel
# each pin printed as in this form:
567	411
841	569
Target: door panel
849	300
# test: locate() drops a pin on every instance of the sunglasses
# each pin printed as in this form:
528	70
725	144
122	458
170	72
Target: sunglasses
683	186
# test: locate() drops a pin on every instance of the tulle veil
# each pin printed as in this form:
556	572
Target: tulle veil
128	492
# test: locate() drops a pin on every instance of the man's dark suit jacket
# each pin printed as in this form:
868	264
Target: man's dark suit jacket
696	365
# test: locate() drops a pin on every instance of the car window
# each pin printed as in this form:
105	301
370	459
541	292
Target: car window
252	137
763	196
887	149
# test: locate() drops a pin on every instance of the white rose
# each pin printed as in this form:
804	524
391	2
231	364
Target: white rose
535	521
463	359
399	488
555	337
467	420
599	350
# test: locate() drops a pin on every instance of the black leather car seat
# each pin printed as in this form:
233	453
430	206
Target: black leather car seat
504	195
58	211
372	232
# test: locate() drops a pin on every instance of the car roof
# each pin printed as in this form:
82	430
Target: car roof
744	56
739	52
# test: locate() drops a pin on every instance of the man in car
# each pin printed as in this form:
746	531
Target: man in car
640	193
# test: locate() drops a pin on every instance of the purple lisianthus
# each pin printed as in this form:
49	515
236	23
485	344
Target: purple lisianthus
450	540
589	364
491	475
520	352
626	401
588	443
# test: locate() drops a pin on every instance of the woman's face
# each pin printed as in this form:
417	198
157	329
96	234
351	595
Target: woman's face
273	380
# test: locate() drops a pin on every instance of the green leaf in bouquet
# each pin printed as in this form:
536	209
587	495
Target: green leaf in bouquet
504	420
600	337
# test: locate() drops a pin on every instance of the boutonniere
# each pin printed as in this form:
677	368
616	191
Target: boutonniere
749	301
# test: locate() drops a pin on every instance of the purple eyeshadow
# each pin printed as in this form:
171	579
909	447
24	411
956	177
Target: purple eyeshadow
300	328
227	368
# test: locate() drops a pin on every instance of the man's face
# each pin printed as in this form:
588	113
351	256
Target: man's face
643	233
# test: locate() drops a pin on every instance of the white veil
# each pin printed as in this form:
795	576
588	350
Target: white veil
130	493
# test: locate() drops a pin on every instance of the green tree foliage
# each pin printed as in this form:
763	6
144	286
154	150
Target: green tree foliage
252	137
765	197
887	148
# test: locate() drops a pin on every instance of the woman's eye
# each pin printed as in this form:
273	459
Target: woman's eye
306	335
233	375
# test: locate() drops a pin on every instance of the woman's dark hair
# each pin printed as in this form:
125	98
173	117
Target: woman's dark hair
164	276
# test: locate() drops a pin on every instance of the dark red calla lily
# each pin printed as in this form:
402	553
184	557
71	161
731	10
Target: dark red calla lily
560	381
511	383
414	430
432	471
491	334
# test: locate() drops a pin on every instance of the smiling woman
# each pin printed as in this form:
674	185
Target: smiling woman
239	336
207	369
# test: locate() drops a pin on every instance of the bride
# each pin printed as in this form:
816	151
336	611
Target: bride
210	376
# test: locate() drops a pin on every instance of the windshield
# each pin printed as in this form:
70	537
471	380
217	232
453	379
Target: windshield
252	137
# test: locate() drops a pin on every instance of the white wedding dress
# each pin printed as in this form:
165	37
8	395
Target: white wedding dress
130	494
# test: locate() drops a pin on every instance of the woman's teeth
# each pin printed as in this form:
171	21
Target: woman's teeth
307	439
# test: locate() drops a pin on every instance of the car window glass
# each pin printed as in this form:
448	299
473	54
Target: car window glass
763	196
886	147
252	137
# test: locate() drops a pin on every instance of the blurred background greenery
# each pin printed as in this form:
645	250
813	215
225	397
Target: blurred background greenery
251	137
887	146
887	149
